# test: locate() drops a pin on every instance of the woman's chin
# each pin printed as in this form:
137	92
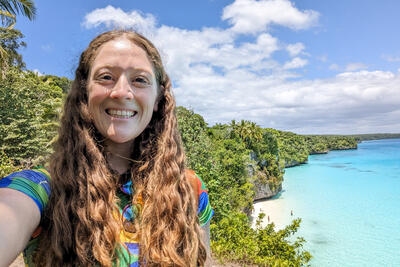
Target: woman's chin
121	139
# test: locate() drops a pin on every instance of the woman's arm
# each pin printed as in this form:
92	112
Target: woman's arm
206	240
19	217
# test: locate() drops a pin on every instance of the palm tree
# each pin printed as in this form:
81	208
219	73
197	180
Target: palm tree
10	8
248	131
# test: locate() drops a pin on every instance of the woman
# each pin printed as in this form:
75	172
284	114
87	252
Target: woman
118	179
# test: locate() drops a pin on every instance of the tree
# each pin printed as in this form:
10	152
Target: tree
10	8
29	110
10	42
8	11
248	131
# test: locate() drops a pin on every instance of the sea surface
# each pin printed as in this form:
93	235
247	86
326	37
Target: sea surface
349	202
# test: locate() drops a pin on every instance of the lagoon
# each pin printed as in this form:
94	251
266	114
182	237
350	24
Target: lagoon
349	202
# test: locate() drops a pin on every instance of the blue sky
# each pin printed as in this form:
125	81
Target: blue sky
306	66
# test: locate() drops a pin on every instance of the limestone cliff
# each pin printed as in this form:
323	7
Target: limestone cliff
263	191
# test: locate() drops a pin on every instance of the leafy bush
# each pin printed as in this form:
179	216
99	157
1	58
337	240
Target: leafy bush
28	116
234	240
6	165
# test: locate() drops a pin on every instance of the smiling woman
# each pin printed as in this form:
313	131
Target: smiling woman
117	192
122	90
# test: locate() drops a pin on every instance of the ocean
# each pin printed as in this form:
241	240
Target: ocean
349	203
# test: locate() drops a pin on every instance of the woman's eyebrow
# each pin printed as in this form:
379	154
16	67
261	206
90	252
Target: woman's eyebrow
138	69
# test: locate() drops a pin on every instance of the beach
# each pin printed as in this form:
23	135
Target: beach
276	209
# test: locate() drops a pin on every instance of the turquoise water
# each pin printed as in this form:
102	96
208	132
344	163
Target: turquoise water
349	202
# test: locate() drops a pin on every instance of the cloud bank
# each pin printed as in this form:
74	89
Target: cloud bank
222	77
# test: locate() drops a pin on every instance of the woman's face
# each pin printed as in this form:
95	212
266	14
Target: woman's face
122	90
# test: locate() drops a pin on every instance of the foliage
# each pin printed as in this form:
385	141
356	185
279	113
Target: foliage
196	142
62	82
28	116
9	37
221	163
6	165
363	137
10	8
223	156
292	147
234	240
10	42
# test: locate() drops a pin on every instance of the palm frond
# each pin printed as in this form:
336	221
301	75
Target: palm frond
7	19
24	7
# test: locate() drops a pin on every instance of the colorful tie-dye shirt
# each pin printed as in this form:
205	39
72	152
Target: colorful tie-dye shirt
35	184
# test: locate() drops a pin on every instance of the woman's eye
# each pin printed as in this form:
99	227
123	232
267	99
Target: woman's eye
141	80
106	77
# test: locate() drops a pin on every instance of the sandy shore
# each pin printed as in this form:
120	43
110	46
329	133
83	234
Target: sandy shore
276	210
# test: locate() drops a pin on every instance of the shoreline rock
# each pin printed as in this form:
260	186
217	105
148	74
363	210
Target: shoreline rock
263	191
294	163
319	152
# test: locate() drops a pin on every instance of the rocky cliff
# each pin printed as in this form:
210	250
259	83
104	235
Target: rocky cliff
263	191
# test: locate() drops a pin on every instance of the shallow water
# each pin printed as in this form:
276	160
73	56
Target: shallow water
349	202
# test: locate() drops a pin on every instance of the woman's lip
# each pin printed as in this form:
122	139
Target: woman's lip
116	117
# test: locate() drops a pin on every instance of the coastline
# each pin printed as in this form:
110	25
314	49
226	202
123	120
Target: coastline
277	211
273	206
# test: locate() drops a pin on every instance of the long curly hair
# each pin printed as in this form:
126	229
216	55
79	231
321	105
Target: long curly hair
79	224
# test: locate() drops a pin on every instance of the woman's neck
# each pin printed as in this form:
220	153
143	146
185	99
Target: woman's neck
118	156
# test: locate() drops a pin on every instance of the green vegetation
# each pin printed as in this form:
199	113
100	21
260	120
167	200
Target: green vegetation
232	158
376	136
294	148
9	37
28	116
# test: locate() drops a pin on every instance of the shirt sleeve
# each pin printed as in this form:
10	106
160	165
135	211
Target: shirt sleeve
205	211
34	183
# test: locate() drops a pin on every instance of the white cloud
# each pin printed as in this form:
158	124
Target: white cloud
251	16
347	103
295	63
37	72
224	79
117	18
355	66
295	49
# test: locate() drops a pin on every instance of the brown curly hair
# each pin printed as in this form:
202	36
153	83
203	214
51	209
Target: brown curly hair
80	226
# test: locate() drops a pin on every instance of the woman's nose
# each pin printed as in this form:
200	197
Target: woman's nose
122	89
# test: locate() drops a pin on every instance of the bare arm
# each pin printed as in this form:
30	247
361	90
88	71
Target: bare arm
19	217
206	240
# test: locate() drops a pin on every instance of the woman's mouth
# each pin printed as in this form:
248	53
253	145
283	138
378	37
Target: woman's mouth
121	113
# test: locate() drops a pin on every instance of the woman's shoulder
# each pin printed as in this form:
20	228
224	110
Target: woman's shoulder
205	211
33	183
197	183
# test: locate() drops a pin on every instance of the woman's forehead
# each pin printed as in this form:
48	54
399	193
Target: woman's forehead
123	52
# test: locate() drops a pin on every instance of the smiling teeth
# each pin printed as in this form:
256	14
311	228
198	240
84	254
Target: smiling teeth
121	113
